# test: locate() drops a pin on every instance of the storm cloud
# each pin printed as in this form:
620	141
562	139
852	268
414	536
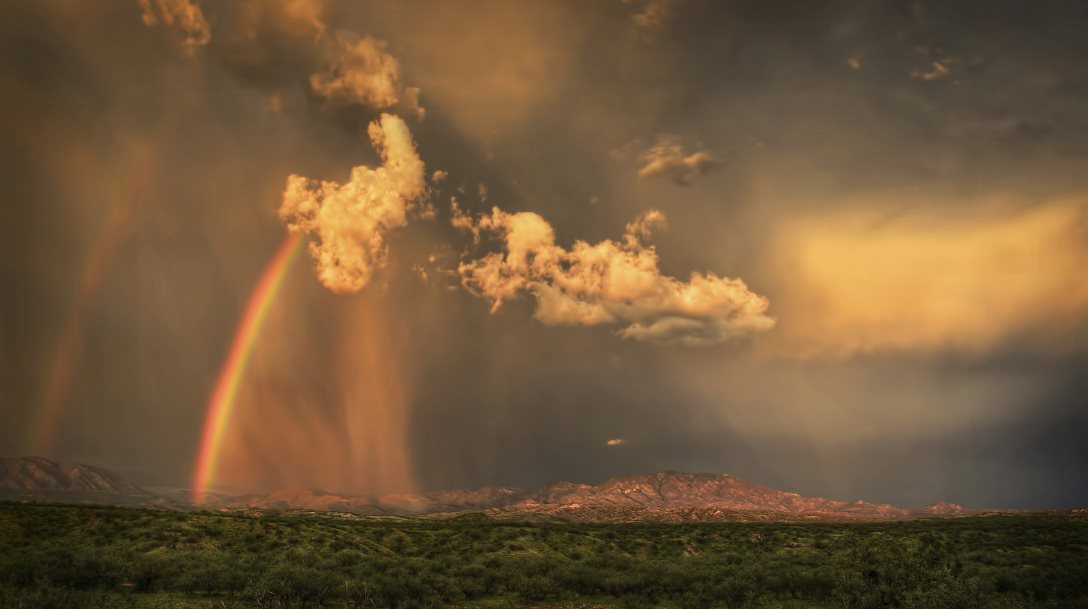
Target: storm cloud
915	235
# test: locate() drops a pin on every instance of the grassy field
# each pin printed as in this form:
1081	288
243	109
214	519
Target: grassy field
80	556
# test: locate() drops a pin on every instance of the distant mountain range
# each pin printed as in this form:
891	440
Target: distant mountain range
40	475
663	497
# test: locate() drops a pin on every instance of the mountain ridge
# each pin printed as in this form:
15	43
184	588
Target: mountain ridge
661	496
41	475
666	496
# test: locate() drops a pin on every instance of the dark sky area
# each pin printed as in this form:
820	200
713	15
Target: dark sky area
838	248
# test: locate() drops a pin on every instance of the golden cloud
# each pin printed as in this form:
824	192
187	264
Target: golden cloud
611	282
184	15
350	220
358	71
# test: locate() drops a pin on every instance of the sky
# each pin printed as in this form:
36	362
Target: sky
837	248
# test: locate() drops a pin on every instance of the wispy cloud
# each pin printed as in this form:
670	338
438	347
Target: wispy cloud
667	159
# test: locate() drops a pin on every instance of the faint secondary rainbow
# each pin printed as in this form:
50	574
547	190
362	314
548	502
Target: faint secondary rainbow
221	404
120	214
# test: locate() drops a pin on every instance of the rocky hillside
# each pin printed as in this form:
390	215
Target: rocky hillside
700	496
664	496
942	508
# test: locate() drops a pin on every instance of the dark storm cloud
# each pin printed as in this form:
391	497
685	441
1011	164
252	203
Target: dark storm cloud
1038	454
484	417
287	51
783	74
500	399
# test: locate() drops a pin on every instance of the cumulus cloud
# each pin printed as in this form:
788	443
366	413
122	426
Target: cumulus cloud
358	71
614	442
184	15
666	159
616	283
349	221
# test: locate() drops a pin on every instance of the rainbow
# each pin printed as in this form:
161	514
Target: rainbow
222	399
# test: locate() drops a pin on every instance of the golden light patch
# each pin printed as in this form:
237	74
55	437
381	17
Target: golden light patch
859	284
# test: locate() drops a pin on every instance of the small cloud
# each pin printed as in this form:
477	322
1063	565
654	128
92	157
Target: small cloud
652	15
615	442
937	61
854	62
594	200
439	176
667	159
184	15
940	69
